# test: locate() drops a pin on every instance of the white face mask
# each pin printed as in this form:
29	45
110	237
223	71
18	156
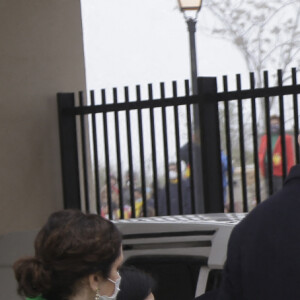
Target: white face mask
172	174
116	291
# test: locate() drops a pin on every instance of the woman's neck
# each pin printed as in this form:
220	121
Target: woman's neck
83	294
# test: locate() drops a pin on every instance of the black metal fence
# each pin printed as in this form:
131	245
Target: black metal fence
123	156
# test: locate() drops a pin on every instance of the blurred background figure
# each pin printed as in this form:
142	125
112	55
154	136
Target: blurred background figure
114	193
224	163
194	169
139	203
127	186
276	159
174	194
138	200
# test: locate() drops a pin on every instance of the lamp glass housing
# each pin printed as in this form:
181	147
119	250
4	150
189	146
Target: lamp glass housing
190	5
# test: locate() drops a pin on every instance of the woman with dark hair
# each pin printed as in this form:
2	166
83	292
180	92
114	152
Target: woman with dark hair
77	256
135	285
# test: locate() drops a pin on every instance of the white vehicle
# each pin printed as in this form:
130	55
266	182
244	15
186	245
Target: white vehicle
185	254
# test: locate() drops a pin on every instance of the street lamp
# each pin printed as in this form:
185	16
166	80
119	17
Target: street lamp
190	10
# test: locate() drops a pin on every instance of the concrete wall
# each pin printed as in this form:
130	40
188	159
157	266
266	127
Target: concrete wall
12	247
41	53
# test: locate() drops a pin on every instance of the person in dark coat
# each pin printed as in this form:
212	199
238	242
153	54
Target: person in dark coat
264	249
211	295
194	169
174	194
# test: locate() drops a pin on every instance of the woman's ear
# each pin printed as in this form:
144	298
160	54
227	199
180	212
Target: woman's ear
94	281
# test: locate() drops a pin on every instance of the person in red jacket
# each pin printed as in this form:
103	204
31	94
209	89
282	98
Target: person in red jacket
277	163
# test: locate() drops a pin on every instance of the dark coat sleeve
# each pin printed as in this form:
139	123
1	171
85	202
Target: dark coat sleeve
231	285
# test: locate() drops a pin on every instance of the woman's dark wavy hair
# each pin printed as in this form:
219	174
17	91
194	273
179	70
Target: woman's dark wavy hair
70	246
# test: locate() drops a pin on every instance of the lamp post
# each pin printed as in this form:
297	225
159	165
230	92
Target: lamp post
190	10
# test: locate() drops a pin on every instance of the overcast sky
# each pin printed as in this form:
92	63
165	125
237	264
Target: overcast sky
138	42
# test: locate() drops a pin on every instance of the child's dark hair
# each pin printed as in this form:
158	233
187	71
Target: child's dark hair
135	284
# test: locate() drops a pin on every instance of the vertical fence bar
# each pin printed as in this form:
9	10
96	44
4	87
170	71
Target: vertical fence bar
153	147
228	148
142	158
255	143
84	157
296	121
119	164
107	157
69	151
242	146
269	171
190	148
282	128
166	150
177	142
130	161
210	145
96	161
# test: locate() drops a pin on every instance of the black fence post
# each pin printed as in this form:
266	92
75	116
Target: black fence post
69	151
210	145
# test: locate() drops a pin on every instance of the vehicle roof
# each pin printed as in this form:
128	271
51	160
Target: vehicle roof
217	218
